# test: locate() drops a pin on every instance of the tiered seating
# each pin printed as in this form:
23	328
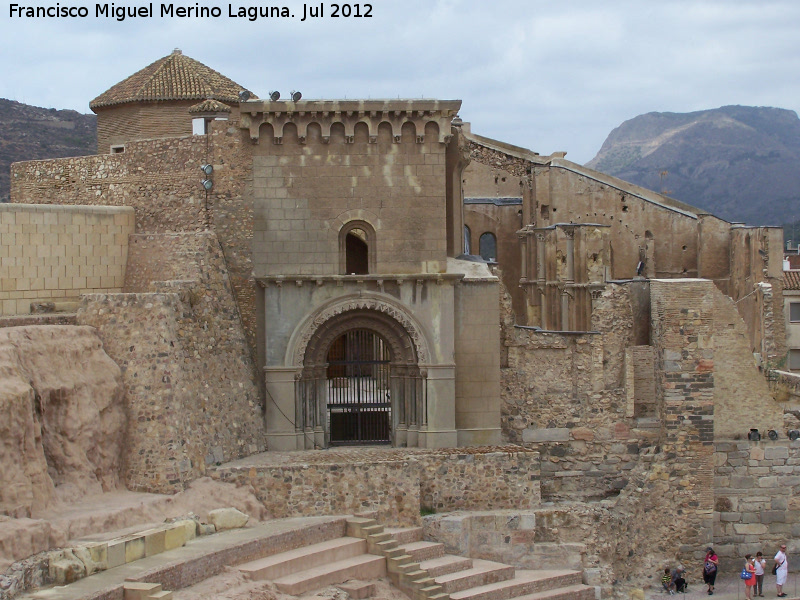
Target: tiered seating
419	568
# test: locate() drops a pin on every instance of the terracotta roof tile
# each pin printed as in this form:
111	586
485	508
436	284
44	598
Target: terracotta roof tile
209	105
174	77
791	280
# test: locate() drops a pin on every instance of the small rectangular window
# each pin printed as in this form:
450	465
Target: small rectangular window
794	312
117	149
794	359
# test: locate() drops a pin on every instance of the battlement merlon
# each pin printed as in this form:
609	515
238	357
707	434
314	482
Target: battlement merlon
325	113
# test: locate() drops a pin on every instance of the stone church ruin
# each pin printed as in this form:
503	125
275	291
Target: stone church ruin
492	329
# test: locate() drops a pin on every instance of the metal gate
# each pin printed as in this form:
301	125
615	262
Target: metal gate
358	379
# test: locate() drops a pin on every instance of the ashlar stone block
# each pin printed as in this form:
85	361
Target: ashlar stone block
134	549
552	434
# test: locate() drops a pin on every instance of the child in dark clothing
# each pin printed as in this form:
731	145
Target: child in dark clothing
666	582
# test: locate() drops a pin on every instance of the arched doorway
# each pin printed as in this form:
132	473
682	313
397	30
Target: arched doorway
361	382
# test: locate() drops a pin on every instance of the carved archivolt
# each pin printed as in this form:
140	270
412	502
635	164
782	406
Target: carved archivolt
390	321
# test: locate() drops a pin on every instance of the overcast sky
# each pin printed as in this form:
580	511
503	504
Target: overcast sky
549	76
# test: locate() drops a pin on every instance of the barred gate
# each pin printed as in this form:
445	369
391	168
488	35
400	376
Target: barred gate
359	396
359	399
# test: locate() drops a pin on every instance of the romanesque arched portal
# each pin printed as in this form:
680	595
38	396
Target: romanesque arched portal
361	382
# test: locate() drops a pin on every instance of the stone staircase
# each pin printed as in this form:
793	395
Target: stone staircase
136	590
420	569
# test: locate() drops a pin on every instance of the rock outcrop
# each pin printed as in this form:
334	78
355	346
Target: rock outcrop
61	417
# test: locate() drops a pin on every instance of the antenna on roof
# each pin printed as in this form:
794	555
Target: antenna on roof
244	96
296	96
275	96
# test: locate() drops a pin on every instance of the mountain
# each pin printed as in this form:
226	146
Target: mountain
30	133
741	163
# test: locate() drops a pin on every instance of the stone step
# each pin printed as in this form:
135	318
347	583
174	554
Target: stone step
420	551
444	565
357	525
139	590
571	592
162	595
301	559
405	535
364	567
482	572
525	582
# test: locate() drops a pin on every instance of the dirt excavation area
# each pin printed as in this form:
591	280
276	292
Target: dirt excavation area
114	513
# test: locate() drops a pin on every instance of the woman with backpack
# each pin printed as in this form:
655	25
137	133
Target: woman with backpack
710	563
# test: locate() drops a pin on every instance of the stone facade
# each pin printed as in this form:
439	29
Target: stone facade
200	404
395	484
755	498
629	394
56	253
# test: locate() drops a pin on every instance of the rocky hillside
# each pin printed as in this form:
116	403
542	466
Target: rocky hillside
741	163
30	133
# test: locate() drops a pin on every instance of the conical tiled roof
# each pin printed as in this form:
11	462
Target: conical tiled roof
174	77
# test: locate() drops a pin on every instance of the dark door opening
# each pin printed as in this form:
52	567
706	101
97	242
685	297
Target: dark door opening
359	403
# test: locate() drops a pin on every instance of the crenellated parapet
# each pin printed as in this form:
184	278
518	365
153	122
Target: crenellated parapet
307	115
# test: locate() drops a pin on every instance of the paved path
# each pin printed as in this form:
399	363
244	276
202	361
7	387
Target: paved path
732	588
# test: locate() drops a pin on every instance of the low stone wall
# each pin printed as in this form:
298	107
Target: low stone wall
467	480
394	483
391	488
507	536
756	498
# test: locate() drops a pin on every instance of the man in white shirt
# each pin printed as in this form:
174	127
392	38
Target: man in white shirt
783	570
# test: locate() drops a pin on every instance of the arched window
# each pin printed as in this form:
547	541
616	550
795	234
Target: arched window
357	248
467	241
488	247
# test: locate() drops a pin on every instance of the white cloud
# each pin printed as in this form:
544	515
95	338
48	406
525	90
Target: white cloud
541	75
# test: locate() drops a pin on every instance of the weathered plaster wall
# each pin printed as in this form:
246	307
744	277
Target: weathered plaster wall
56	253
756	286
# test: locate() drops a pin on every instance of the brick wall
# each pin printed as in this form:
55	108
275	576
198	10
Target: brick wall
124	123
54	253
742	398
683	337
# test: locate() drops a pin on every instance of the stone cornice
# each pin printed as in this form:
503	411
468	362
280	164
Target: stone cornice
326	113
